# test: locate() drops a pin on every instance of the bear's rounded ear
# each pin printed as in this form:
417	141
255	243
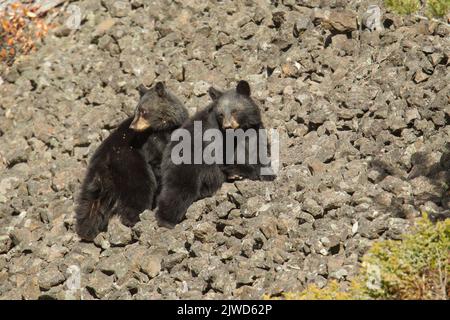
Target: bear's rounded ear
214	93
160	89
142	89
243	88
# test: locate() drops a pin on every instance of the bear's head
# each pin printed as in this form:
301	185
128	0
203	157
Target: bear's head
235	108
158	109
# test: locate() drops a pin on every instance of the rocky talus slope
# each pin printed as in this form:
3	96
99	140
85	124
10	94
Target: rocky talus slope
363	119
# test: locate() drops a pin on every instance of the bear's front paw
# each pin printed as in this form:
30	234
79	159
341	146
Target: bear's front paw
234	177
165	223
129	221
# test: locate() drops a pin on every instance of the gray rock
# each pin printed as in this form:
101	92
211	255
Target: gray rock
340	21
204	231
420	76
268	227
116	264
397	227
118	234
100	284
303	23
372	229
254	206
172	260
396	186
371	19
151	265
224	208
333	199
312	207
50	277
5	243
118	9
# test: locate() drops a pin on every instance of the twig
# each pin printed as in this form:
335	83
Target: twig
294	267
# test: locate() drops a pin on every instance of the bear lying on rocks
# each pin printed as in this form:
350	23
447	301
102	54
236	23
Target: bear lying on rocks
184	183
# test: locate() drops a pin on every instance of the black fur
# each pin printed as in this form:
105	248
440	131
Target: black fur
183	184
237	110
124	173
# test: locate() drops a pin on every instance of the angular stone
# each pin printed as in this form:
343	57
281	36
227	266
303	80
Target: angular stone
119	235
50	277
341	21
100	283
420	76
268	227
151	264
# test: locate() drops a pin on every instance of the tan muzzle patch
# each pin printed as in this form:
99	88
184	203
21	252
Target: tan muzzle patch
232	124
139	124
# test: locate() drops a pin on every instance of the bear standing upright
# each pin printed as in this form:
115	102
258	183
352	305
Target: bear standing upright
184	183
123	174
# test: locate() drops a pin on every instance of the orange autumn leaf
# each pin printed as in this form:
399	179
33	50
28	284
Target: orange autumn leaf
3	53
5	25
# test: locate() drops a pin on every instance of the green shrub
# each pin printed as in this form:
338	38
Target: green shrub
438	8
403	6
417	267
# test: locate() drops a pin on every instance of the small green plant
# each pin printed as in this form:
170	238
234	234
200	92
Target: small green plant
417	267
438	8
403	6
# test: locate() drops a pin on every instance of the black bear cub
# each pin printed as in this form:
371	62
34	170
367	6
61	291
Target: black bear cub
123	174
184	183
